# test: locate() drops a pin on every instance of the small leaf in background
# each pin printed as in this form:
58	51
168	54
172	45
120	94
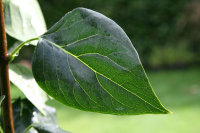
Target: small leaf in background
22	114
1	99
23	19
48	129
1	130
86	61
26	115
22	77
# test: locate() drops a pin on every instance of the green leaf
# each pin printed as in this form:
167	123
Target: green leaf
47	124
27	116
1	99
48	128
22	77
22	114
23	19
86	61
1	130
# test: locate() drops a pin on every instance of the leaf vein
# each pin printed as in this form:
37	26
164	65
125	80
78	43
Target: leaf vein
109	93
58	80
67	52
77	81
43	66
105	57
91	36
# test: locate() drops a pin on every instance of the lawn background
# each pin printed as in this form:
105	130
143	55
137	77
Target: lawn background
178	90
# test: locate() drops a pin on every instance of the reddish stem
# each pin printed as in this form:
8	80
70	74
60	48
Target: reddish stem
4	77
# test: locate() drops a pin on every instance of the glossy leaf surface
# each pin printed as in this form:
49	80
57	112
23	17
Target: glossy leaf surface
23	19
86	61
22	77
25	115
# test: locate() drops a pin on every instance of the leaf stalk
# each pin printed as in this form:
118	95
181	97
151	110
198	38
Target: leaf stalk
16	50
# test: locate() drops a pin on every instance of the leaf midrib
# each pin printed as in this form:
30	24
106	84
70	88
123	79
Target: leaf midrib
101	74
79	83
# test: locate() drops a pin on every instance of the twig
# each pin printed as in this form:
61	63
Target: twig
4	77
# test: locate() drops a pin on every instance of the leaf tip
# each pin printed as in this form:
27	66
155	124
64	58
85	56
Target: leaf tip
166	111
169	112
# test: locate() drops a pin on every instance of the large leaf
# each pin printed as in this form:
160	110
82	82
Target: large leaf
22	77
26	115
86	61
23	19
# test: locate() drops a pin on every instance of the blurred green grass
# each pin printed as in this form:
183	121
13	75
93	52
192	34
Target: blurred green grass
178	90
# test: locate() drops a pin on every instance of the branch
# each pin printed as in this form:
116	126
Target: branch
4	77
